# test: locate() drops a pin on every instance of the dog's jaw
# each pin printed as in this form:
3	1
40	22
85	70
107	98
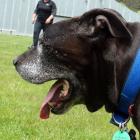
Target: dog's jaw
38	70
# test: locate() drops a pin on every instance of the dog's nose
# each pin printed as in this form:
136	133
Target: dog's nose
15	61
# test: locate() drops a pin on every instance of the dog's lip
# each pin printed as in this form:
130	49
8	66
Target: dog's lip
58	93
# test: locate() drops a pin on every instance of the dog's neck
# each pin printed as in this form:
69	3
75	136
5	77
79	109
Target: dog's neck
121	64
108	76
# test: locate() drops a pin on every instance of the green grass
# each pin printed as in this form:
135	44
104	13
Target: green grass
20	103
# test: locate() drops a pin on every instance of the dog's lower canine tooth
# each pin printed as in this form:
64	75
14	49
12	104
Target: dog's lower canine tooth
66	85
63	93
51	104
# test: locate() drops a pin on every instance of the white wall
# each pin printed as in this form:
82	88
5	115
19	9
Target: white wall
15	15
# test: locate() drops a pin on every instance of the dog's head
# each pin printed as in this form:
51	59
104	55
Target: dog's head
75	53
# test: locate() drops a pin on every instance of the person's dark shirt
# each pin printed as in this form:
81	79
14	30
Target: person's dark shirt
44	10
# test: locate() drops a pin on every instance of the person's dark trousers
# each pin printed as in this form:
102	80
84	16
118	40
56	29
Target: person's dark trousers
37	29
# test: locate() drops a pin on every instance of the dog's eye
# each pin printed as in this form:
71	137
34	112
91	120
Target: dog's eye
65	54
47	45
56	52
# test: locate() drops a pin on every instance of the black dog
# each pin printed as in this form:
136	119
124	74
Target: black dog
89	56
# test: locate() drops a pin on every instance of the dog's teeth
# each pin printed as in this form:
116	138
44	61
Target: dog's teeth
63	93
65	89
66	85
51	104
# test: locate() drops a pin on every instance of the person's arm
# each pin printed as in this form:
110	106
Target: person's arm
54	9
34	15
53	13
49	19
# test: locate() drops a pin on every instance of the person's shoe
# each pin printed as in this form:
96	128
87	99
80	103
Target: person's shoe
31	47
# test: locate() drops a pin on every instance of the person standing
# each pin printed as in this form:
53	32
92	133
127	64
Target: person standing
42	17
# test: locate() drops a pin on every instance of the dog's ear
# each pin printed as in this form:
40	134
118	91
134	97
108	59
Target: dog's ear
116	29
109	19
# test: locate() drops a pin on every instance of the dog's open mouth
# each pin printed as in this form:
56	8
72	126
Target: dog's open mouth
57	95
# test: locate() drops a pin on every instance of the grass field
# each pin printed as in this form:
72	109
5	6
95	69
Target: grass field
20	103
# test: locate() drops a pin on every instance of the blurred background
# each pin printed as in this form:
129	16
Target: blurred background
20	101
15	15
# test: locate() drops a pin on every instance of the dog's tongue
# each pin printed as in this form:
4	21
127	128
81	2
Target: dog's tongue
45	108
